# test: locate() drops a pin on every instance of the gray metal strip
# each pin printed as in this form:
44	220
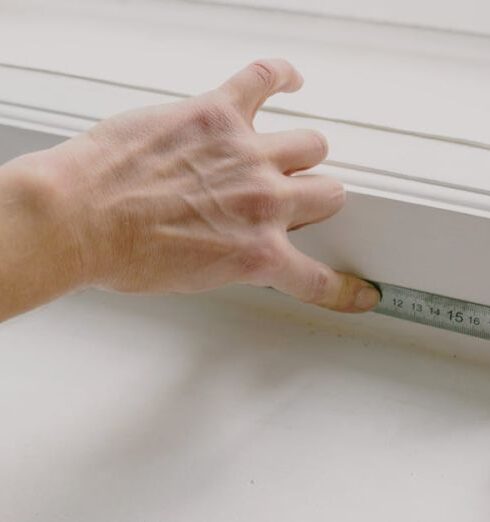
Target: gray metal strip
434	310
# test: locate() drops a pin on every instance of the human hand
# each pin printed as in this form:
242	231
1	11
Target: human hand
187	197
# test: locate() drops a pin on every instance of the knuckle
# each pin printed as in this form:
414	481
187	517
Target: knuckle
260	258
215	117
264	72
317	287
262	204
248	156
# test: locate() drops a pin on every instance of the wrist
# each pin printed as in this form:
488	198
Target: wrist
72	173
42	228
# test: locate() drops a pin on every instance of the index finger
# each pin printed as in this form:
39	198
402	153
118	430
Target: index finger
250	87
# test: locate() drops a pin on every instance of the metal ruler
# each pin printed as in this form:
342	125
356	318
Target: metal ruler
434	310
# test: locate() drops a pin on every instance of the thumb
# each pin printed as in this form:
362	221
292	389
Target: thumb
313	282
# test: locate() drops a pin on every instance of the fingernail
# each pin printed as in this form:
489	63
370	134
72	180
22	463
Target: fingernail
367	298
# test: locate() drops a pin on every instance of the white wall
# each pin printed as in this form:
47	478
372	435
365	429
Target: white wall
469	15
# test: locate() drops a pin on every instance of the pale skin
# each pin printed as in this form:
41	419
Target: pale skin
183	198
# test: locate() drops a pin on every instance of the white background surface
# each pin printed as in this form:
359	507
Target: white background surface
400	78
233	408
456	15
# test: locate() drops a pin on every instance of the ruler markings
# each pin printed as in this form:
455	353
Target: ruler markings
434	310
